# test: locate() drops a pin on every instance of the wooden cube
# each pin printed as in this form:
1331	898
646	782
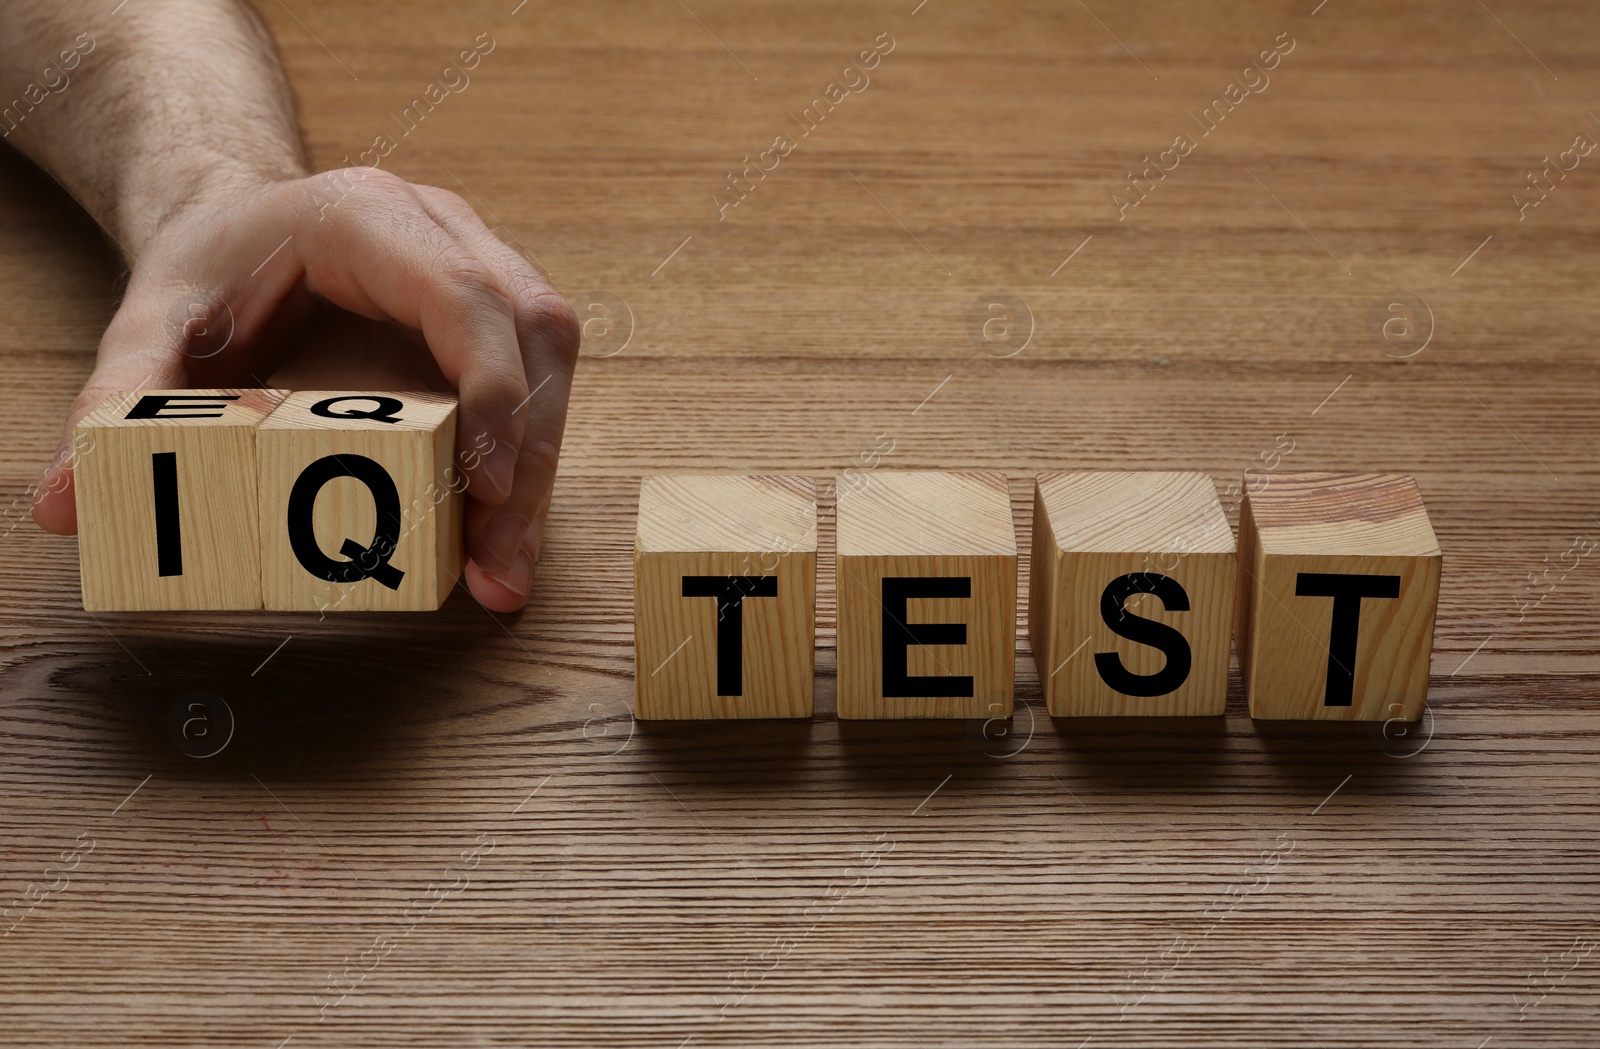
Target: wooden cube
927	595
724	596
166	499
1131	596
360	502
1338	583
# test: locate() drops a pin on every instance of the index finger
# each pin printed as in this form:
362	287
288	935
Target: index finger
382	255
504	541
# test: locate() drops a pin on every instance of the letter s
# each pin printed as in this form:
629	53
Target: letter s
1144	631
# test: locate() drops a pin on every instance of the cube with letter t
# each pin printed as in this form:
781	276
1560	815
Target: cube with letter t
927	592
360	503
166	497
1131	599
1338	582
724	592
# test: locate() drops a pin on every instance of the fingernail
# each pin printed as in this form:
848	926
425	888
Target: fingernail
519	577
500	467
502	538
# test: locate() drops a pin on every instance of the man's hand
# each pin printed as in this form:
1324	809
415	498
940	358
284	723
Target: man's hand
245	272
236	290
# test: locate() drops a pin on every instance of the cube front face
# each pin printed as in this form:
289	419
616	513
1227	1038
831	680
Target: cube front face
166	490
1340	584
927	636
1309	665
1153	643
360	508
1132	598
725	588
724	634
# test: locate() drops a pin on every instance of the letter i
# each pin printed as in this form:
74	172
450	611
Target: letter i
169	535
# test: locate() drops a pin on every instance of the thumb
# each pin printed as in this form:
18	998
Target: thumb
139	351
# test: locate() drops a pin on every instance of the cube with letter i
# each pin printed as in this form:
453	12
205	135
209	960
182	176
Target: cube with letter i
1339	583
360	502
167	500
927	594
724	585
1131	596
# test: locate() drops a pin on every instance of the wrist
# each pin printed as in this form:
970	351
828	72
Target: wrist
162	197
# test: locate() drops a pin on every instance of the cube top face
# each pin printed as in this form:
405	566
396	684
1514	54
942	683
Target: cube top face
1135	511
375	411
183	409
1342	514
934	514
1131	600
360	502
725	597
166	490
726	512
1339	581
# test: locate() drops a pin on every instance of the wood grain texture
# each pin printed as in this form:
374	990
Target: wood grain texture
413	445
926	570
1041	873
1304	537
196	544
757	533
1155	529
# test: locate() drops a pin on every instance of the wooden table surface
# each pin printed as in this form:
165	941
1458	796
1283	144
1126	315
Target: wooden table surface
447	830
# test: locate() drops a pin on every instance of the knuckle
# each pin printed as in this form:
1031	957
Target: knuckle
447	201
460	274
373	183
553	320
543	455
466	272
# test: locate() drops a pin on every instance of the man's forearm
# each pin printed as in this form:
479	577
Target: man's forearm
142	107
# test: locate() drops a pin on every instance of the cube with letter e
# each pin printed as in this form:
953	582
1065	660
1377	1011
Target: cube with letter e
1338	583
927	593
166	494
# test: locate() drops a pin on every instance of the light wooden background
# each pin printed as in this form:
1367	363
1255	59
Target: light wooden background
1042	884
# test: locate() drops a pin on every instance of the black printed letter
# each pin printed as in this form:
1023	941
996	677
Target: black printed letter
169	535
370	561
898	635
1347	592
1146	632
730	592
